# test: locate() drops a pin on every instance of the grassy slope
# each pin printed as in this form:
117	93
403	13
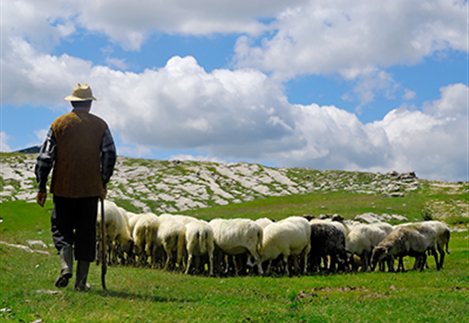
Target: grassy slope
138	294
345	203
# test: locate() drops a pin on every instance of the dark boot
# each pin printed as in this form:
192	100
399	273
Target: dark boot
66	267
82	275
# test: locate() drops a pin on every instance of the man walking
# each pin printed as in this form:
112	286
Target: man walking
80	149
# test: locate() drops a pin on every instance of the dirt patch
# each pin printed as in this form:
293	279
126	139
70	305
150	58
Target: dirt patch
363	292
339	289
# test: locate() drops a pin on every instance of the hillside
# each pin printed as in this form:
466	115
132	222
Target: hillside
177	186
233	190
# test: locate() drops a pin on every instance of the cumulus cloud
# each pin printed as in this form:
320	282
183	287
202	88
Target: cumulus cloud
36	78
128	23
244	115
369	83
434	142
4	147
41	135
184	17
323	37
40	23
183	106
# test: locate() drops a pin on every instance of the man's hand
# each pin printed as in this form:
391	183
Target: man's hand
103	193
41	198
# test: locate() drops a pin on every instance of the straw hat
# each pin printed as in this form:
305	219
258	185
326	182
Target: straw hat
81	92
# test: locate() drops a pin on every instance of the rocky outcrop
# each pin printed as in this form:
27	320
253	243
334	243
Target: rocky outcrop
172	186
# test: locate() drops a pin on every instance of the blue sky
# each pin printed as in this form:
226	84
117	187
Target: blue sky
320	84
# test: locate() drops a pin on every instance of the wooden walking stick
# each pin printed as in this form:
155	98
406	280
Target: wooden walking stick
103	247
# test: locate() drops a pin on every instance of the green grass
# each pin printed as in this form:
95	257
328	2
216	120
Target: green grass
344	203
141	295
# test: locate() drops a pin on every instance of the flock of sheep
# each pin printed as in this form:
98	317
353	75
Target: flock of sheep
295	245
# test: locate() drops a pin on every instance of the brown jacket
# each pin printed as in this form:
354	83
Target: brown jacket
77	168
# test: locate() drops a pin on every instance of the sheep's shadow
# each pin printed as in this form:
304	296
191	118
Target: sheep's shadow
152	298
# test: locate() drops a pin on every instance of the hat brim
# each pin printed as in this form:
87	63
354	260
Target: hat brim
75	98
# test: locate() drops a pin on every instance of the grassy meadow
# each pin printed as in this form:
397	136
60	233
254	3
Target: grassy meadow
27	291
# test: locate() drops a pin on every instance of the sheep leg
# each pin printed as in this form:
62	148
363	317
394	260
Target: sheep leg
305	258
153	255
168	257
269	265
441	251
382	266
401	264
296	265
435	256
189	261
257	260
333	264
325	261
423	261
235	264
285	262
210	262
390	261
365	261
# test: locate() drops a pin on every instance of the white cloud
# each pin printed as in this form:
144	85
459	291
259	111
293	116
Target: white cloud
42	23
41	135
116	62
130	23
335	36
244	115
36	78
4	147
137	151
434	142
335	139
368	84
409	94
183	106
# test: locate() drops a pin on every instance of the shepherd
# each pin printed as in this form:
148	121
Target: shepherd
80	149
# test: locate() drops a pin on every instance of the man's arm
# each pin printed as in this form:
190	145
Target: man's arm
44	163
108	157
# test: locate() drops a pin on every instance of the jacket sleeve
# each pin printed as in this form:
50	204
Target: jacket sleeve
45	161
108	156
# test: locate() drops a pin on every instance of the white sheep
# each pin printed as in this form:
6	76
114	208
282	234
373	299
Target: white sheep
184	219
131	219
171	237
263	222
144	234
199	242
361	240
238	236
288	237
118	235
442	239
386	227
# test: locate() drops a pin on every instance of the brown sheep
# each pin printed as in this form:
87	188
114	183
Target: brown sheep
401	242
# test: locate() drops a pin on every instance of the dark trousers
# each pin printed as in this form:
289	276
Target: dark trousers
73	223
